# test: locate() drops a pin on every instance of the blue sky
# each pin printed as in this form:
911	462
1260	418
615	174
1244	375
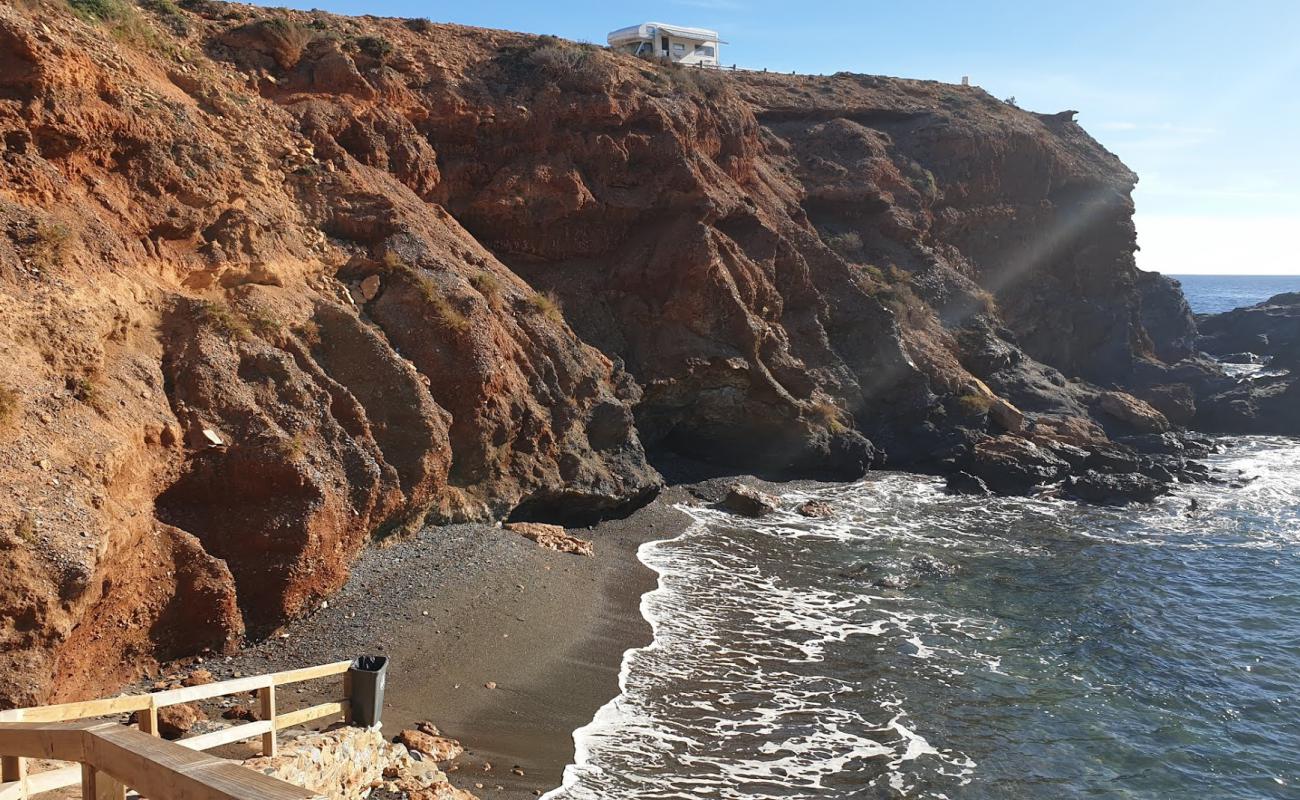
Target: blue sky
1201	98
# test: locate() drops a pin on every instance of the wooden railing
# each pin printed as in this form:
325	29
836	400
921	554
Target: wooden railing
54	732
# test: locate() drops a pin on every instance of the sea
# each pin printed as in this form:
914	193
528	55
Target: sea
921	645
1214	294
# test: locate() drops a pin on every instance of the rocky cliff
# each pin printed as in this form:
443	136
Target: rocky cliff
278	284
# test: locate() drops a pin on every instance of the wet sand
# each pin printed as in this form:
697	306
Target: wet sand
462	606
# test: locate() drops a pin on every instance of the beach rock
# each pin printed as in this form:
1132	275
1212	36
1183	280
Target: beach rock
1132	412
1263	330
552	537
961	482
1176	401
175	722
439	748
1012	465
1095	487
350	763
239	712
199	677
816	509
748	501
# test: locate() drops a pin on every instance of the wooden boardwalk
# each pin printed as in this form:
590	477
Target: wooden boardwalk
109	757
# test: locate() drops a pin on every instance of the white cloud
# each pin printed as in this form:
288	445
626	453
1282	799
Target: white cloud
1219	245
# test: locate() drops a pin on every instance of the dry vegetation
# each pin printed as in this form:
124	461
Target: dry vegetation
974	404
828	415
548	305
219	317
490	286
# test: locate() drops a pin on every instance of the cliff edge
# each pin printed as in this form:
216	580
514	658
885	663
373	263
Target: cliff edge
278	284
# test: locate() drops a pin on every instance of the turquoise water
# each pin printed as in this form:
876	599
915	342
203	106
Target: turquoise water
1213	294
922	645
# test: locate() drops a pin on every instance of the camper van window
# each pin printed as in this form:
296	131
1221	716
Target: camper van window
704	50
679	49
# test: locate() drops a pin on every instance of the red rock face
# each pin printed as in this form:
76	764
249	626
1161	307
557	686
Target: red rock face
276	284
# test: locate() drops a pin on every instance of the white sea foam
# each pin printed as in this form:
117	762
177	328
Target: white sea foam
755	685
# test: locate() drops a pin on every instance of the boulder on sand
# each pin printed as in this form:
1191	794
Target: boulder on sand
748	501
439	748
552	537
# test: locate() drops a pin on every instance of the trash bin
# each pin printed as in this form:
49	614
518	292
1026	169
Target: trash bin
367	701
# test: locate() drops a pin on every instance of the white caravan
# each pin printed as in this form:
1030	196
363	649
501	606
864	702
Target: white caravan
692	46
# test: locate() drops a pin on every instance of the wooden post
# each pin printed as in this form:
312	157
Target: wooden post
347	697
106	788
14	769
266	697
149	720
88	782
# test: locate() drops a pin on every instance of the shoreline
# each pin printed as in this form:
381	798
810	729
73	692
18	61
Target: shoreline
461	606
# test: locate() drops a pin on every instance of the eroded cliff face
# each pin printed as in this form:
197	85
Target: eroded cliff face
277	284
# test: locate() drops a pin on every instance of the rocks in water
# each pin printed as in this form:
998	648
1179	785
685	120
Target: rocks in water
1114	489
965	483
552	537
748	501
1012	465
1176	401
437	747
816	509
1132	412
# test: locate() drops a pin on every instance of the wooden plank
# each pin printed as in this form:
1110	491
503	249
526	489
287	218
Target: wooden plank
291	719
311	673
65	712
188	694
266	700
12	791
164	770
238	733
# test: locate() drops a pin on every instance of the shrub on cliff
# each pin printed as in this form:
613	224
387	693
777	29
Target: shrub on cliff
827	415
220	318
377	47
973	404
488	285
846	245
547	304
570	66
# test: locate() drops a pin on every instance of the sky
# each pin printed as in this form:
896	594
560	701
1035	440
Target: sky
1201	99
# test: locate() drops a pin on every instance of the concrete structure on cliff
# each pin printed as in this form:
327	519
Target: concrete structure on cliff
691	46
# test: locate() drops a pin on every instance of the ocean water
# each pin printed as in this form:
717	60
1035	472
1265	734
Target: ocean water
928	646
1214	294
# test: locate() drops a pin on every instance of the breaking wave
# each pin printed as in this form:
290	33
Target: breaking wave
923	645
